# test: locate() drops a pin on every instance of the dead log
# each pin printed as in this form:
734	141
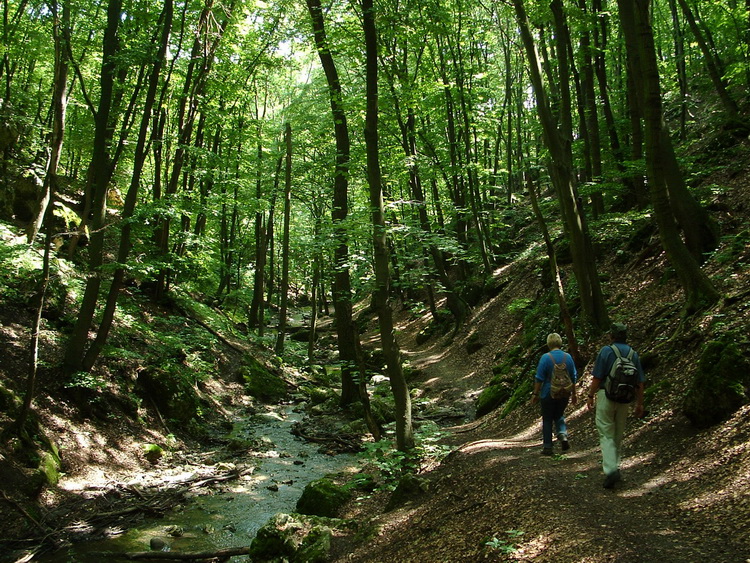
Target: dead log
221	555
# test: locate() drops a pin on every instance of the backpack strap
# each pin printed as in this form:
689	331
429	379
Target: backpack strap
616	351
619	354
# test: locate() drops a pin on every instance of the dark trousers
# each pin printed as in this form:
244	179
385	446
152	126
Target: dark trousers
553	414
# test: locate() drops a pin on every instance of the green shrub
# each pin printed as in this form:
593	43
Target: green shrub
171	390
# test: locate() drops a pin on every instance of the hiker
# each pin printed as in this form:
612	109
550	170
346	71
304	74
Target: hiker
612	406
553	397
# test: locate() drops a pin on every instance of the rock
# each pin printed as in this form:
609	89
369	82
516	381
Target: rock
409	487
294	538
158	544
322	498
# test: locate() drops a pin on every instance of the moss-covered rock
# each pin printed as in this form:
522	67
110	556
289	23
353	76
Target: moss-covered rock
10	403
171	391
293	538
153	453
261	383
49	468
474	343
317	395
492	397
383	409
322	498
719	386
409	487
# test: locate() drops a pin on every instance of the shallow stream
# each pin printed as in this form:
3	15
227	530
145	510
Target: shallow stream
231	514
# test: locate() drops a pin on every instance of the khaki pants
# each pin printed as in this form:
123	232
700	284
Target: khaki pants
611	418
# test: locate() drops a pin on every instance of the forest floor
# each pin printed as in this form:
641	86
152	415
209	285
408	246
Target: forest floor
685	494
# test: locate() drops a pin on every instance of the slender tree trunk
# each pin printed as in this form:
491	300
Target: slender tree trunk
281	336
353	373
61	37
679	57
260	256
139	159
558	142
634	16
565	315
391	352
205	44
31	379
101	172
591	113
713	64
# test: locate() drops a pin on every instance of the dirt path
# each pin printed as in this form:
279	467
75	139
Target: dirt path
685	495
497	485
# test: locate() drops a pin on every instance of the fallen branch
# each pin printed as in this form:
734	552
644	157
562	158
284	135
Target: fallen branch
221	554
23	511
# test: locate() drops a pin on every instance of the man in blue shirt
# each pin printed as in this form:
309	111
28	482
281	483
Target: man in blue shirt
553	410
612	416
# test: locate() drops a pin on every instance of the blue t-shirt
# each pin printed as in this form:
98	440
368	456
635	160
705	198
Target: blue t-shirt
545	368
606	358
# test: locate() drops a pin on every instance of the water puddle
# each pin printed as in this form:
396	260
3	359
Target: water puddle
231	514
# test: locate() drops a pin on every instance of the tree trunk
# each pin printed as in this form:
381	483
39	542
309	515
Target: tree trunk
139	159
558	142
353	373
284	289
391	352
639	40
101	172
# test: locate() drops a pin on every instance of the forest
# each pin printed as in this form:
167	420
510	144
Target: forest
369	215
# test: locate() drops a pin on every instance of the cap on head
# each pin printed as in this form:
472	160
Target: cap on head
618	331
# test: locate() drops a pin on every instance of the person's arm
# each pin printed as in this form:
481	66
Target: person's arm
539	378
593	388
640	389
599	373
535	392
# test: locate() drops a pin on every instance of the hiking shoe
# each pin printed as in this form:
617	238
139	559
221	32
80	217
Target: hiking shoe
547	451
611	479
563	439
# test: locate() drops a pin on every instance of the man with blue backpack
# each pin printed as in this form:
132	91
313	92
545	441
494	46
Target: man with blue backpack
617	382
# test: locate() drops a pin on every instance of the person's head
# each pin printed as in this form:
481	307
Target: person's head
618	332
554	341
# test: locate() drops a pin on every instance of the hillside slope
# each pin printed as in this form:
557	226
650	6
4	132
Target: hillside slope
686	492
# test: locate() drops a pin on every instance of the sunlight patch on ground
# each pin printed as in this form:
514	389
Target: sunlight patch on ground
657	482
428	360
483	445
532	549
